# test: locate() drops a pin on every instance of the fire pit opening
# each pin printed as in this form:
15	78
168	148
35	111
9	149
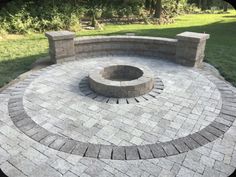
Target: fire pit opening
121	73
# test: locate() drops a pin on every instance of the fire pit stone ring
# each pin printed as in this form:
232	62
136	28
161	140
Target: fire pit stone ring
121	80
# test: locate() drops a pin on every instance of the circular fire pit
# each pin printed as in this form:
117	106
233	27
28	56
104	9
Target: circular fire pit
121	81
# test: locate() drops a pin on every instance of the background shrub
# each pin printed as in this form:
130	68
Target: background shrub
24	16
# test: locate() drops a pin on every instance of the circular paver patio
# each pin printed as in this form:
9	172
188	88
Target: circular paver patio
184	126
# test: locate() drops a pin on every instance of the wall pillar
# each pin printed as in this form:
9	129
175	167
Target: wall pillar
61	46
190	48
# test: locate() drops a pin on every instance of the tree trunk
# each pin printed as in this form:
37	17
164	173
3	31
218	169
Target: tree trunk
225	6
158	7
147	4
93	20
204	5
152	7
177	4
199	4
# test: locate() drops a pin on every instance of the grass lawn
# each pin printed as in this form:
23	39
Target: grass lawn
17	52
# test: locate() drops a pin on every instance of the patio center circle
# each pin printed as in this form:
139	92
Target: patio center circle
121	81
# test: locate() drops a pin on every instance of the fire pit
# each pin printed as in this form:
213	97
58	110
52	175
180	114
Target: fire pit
121	81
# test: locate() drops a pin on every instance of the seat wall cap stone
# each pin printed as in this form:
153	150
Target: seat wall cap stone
60	35
193	37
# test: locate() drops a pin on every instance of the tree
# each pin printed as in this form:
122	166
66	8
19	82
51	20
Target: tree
199	3
158	8
147	4
93	6
204	4
177	4
225	6
233	3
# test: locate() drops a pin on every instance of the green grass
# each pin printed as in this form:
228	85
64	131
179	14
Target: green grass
17	53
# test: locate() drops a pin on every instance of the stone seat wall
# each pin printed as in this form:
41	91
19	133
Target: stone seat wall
187	49
125	45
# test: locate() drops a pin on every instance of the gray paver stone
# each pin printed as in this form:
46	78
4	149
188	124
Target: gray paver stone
58	143
93	150
132	153
145	152
227	117
28	127
214	131
23	122
49	139
207	135
190	142
118	153
200	139
32	131
105	152
157	150
228	112
80	149
68	146
169	149
180	145
220	126
40	135
19	117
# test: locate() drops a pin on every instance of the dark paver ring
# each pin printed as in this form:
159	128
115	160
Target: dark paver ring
208	134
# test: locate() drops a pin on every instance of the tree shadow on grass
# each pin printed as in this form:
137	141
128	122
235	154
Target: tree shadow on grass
11	69
213	29
230	16
219	31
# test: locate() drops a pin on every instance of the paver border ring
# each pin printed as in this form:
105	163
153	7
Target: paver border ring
208	134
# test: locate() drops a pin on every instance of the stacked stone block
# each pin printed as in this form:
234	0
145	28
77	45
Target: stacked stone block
61	46
190	48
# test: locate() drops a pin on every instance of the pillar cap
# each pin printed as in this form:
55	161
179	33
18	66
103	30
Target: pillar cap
192	37
60	35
